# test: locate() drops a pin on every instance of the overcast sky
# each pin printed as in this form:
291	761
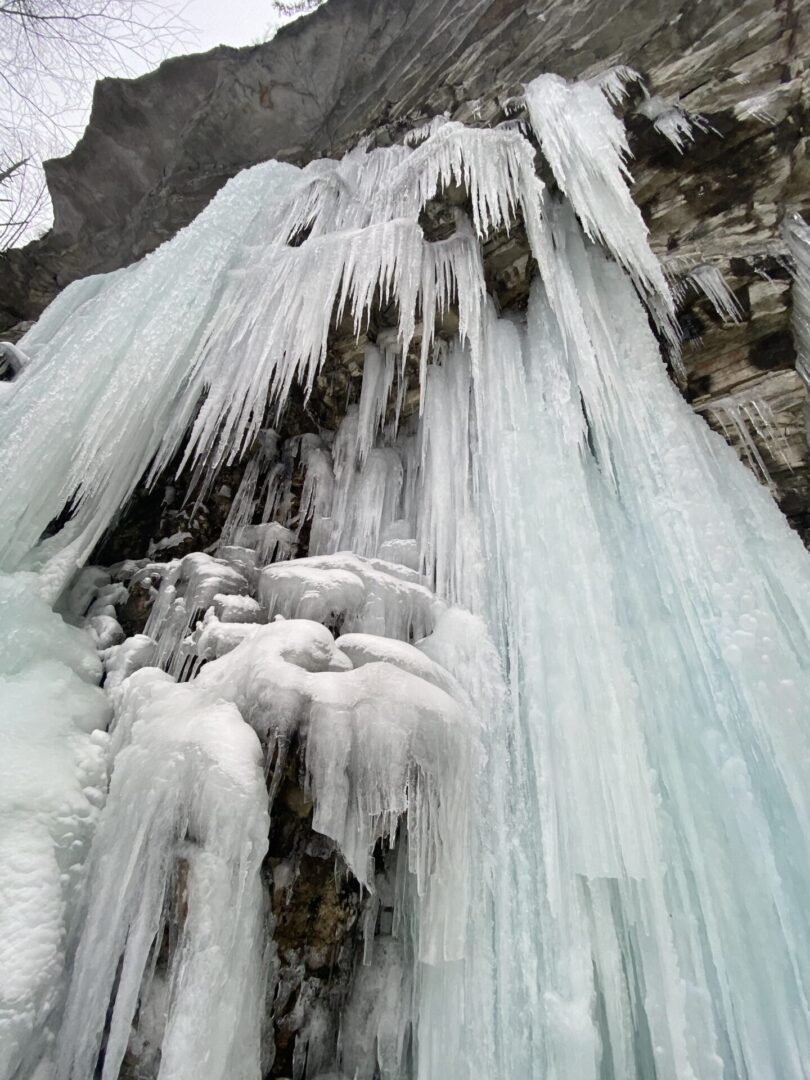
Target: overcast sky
238	22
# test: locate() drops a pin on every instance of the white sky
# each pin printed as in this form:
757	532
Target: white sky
238	22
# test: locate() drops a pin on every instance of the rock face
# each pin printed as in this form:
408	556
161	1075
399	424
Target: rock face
157	149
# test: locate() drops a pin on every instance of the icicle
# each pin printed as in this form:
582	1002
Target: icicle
758	108
243	507
447	541
269	540
142	337
673	121
710	281
424	131
616	81
378	378
586	146
746	420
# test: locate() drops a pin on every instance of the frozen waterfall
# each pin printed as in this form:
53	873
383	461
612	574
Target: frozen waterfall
536	646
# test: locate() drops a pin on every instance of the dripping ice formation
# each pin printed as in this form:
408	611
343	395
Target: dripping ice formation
541	646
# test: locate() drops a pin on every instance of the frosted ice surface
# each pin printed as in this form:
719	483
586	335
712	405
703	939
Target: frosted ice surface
121	660
363	594
586	146
405	552
52	783
376	1019
187	797
237	609
371	648
187	590
213	637
105	630
381	742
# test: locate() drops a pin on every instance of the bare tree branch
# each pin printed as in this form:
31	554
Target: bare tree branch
290	9
51	52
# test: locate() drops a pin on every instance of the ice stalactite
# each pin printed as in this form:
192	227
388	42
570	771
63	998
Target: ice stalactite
586	146
709	280
650	813
141	338
746	421
672	120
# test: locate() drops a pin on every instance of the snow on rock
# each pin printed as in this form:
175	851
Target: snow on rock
371	648
363	594
105	630
121	660
234	608
213	637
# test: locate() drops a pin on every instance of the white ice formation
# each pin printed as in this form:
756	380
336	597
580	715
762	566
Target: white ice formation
672	120
710	281
544	656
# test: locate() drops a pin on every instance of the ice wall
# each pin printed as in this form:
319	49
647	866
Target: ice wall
544	664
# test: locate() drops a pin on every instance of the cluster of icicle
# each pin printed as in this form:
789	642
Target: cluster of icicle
602	818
